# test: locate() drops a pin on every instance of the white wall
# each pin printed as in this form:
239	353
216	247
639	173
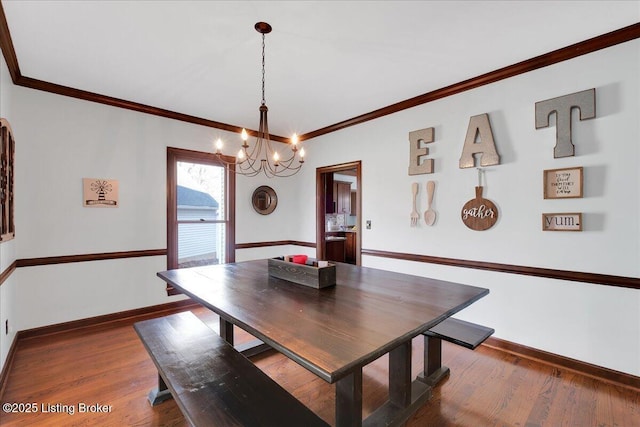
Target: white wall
594	323
61	140
281	224
7	249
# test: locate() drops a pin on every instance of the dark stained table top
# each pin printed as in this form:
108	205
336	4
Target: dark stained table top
329	331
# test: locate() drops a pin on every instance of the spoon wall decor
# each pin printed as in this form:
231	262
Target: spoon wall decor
430	214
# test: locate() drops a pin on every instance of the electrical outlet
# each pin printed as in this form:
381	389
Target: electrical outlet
368	224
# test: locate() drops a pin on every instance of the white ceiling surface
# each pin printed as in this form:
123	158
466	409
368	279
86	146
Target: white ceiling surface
326	61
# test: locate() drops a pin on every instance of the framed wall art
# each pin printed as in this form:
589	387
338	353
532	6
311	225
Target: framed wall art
562	221
99	193
7	159
563	183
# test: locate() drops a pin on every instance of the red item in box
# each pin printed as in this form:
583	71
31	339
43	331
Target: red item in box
299	259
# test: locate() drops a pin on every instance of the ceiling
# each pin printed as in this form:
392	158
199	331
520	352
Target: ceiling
326	61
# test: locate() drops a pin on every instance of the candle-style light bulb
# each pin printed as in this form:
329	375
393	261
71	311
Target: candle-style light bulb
302	153
294	140
240	155
219	145
244	135
276	157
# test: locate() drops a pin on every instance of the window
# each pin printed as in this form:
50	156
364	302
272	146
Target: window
200	210
7	154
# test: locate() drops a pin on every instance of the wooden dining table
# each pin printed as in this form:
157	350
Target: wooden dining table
334	331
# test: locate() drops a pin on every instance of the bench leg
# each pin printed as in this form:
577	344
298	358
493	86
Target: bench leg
434	372
159	394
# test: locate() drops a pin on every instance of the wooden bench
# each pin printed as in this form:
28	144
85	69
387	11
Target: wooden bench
212	383
465	334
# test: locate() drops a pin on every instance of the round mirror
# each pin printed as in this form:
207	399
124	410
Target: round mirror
264	200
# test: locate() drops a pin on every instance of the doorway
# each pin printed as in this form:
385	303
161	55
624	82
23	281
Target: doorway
339	200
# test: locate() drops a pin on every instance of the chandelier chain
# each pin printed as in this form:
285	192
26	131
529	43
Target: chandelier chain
263	99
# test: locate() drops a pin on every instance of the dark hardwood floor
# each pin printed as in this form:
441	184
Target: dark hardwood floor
107	365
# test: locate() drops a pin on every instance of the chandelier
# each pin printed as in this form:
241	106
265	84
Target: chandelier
263	157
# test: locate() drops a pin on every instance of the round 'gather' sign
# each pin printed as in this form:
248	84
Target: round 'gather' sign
479	214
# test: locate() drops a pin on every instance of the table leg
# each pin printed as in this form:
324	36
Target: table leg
226	331
400	375
349	400
405	395
434	372
249	349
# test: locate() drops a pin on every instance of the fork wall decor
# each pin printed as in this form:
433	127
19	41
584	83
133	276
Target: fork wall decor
414	216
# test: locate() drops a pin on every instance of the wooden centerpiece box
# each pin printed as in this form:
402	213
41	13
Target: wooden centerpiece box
306	274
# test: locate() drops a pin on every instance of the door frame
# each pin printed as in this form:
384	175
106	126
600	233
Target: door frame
321	208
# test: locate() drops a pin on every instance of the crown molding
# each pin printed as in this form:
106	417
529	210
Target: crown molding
613	38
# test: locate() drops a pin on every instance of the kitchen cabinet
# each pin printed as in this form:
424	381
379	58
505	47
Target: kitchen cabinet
335	249
350	248
344	251
342	197
354	202
329	194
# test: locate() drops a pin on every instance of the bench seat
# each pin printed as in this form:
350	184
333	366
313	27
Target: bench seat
212	383
457	331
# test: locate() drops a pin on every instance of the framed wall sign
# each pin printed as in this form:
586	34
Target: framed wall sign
7	160
563	183
562	221
99	193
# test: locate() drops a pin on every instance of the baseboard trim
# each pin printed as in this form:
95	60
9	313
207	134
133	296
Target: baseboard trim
598	372
151	311
4	373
